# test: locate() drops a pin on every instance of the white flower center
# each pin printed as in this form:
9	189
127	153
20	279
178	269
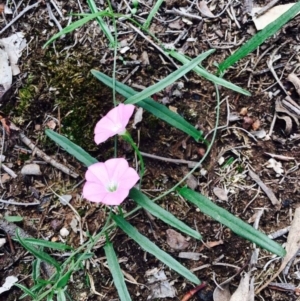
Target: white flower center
117	127
112	186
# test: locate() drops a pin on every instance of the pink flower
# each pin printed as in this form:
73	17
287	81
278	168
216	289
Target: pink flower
109	182
114	122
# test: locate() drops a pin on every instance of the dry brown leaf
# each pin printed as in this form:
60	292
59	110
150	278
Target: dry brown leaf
242	292
292	247
205	11
256	125
244	111
51	124
266	189
293	78
222	294
288	124
176	241
221	194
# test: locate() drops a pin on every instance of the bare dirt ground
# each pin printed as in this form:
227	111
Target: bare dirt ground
55	87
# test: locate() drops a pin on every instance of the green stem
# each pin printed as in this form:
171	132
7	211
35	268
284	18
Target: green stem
128	139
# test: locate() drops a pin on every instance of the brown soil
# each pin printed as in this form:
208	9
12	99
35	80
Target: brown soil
56	82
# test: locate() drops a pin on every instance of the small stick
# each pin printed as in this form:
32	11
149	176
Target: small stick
190	164
11	202
8	170
45	157
193	291
52	17
266	8
175	11
20	15
12	249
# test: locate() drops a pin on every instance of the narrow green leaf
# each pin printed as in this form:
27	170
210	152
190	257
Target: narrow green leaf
61	295
170	79
152	13
116	272
63	281
202	72
47	244
157	109
50	296
164	215
73	149
36	269
151	248
37	287
75	25
102	24
37	253
13	219
25	290
235	224
260	37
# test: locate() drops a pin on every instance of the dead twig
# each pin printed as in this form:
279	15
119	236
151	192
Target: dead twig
46	158
266	8
264	187
26	9
191	164
11	202
175	11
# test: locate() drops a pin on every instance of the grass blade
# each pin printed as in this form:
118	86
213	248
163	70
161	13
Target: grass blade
229	220
25	290
157	109
161	213
167	81
260	37
74	25
102	24
202	72
152	14
47	244
116	272
37	253
73	149
153	249
61	295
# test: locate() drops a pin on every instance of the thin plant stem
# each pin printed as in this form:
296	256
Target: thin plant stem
114	69
129	139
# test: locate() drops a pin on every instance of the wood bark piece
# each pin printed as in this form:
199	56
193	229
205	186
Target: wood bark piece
266	189
45	157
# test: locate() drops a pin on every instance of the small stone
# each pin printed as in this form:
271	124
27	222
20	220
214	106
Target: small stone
64	232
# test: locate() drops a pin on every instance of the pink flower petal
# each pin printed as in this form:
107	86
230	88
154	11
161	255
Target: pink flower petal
97	173
115	198
128	180
114	174
94	192
114	122
116	167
